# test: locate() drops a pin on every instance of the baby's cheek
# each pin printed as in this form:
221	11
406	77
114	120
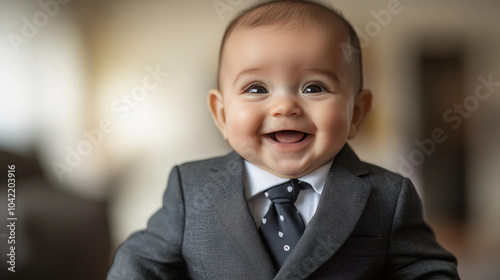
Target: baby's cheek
334	118
248	121
336	129
240	137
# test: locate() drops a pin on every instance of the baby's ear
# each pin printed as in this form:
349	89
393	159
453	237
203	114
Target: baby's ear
362	106
216	107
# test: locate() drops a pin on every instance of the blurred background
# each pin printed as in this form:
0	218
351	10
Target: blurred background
100	99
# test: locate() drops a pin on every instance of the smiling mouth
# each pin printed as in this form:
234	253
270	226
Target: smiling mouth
288	136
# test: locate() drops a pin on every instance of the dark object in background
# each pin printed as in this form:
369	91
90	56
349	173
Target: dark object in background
58	235
444	173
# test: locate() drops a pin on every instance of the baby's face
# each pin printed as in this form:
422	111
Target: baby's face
286	101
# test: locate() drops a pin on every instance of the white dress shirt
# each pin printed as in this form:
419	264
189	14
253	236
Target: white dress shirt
257	181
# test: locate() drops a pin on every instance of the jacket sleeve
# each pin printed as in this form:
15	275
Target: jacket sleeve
156	252
413	251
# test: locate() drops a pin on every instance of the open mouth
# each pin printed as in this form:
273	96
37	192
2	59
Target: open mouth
288	136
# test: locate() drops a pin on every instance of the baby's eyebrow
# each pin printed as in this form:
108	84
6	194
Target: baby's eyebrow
324	72
246	72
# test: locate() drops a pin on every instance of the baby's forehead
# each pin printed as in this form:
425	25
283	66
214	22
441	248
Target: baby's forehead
290	15
289	51
334	34
334	30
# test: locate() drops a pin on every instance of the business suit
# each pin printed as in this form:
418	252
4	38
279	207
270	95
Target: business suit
368	225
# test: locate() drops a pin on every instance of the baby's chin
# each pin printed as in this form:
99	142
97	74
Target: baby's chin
288	168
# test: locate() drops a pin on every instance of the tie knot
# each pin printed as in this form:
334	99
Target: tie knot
286	192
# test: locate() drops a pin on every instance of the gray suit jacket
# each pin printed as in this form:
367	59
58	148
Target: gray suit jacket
368	225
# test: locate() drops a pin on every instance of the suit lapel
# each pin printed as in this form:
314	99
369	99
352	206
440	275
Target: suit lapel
342	202
228	203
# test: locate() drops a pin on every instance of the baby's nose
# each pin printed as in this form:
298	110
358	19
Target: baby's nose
285	106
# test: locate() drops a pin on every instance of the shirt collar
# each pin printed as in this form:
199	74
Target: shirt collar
257	180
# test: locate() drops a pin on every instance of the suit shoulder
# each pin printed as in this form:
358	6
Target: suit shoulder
195	171
387	187
378	170
204	165
384	178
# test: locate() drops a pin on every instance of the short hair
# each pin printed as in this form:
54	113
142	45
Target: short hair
288	13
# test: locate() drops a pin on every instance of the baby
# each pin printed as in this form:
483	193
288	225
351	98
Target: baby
292	201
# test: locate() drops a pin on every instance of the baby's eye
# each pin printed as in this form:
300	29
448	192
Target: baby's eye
314	88
255	88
